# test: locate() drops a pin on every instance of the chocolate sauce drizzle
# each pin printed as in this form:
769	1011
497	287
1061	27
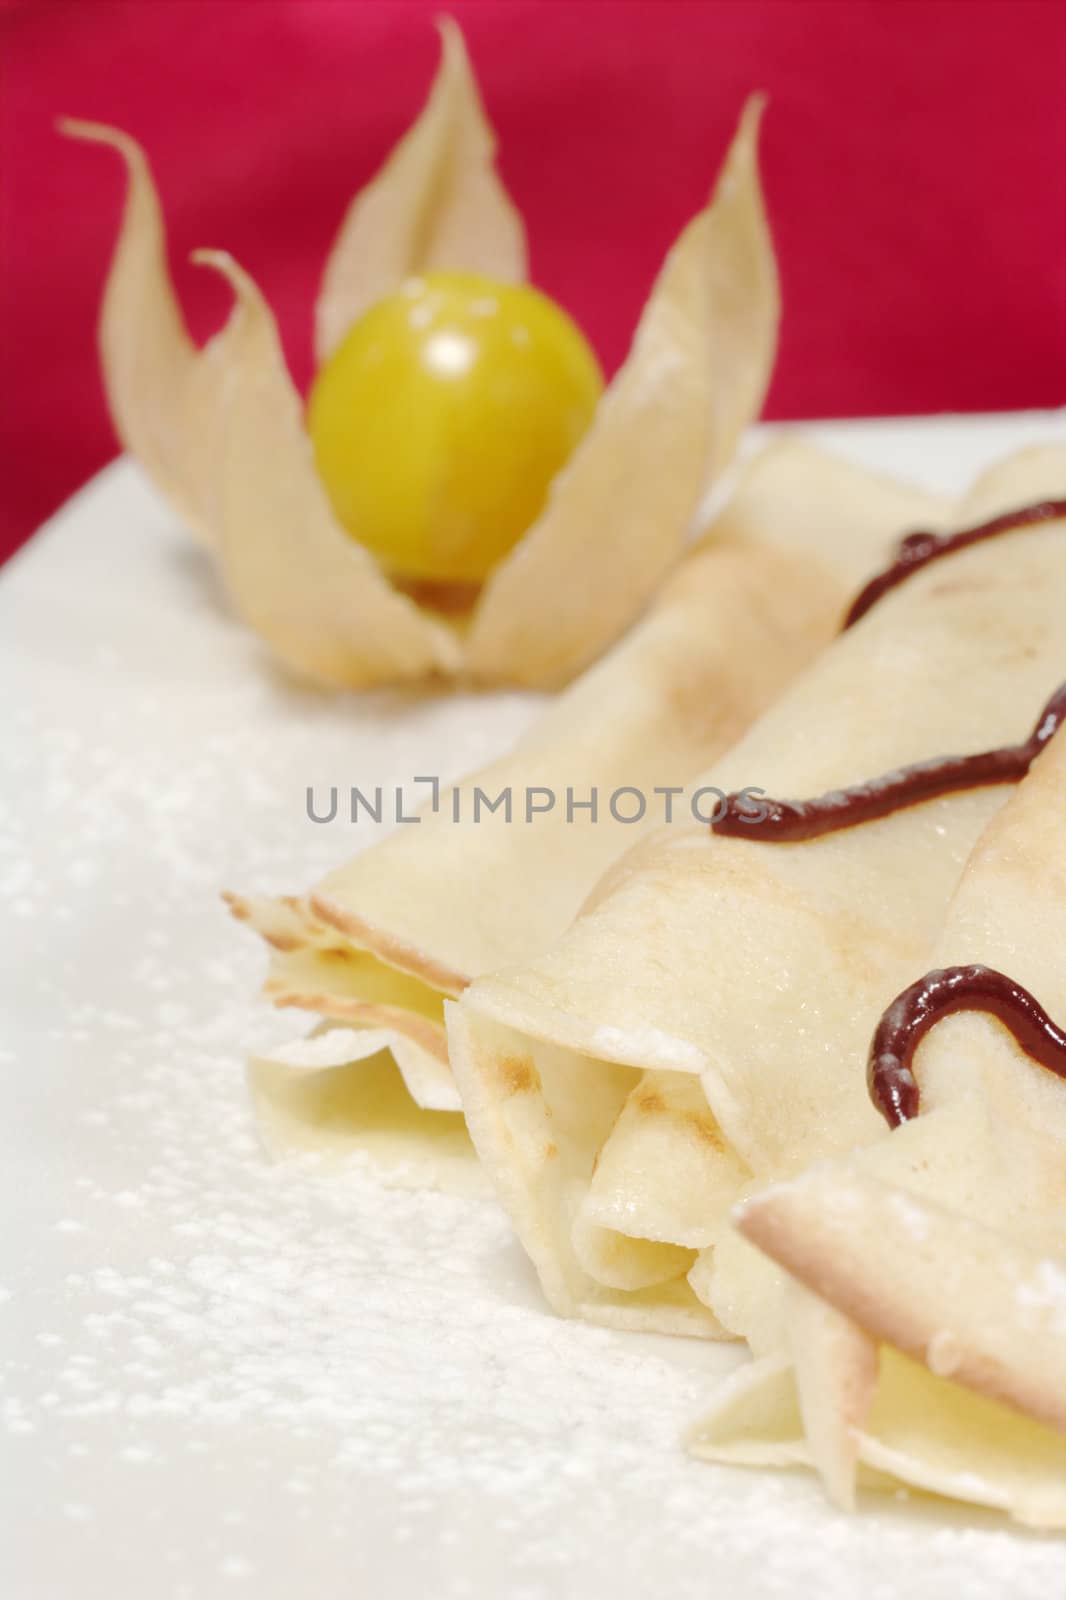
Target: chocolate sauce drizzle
889	1075
789	821
918	549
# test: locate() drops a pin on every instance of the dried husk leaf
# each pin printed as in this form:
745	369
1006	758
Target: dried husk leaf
219	429
619	512
165	395
317	597
437	203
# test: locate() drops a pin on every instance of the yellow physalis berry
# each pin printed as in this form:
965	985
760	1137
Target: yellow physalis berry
442	417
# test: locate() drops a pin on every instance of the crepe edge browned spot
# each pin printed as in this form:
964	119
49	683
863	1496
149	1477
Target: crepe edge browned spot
389	950
651	1102
264	912
367	1014
518	1075
237	905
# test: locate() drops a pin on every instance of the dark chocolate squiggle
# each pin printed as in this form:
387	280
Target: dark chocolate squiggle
918	549
889	1074
789	821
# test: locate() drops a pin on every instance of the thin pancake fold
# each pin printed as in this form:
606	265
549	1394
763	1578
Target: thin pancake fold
761	970
350	1097
313	969
920	1433
740	618
943	1244
666	1132
548	1117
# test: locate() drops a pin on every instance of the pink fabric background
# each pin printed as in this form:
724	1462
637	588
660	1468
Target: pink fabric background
915	160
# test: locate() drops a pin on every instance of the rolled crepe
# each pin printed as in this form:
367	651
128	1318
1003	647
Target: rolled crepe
374	949
754	973
925	1321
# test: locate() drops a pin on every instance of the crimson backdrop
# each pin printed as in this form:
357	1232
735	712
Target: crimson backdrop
914	156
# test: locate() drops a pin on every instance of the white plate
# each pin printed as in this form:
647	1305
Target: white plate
221	1377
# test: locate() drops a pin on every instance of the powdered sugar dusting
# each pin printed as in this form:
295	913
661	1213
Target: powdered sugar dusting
1041	1293
943	1354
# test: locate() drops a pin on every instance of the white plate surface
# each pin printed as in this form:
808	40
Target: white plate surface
220	1378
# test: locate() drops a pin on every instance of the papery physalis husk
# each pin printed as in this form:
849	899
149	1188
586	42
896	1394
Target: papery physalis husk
436	203
619	511
618	514
165	395
317	596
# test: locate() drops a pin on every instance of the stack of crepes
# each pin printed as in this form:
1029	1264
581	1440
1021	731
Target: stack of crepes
658	1041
